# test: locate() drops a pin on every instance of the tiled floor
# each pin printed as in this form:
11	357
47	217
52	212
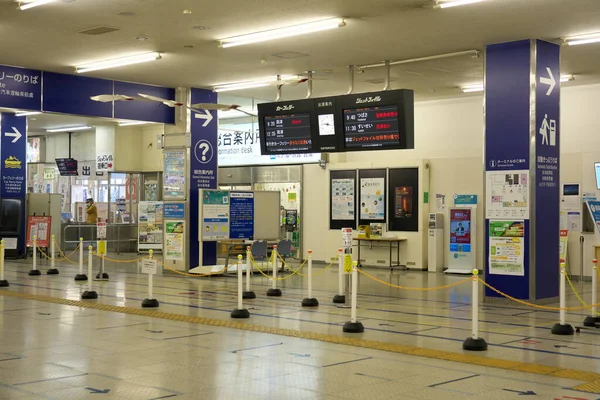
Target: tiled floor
56	352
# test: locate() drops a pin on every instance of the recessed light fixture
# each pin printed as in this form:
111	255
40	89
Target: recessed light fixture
131	123
142	38
26	113
583	39
118	62
478	87
70	129
567	77
188	46
187	12
456	3
26	6
227	87
289	31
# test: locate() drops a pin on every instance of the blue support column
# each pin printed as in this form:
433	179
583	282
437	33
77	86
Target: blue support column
203	173
522	152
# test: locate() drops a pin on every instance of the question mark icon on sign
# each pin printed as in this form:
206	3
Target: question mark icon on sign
204	147
203	151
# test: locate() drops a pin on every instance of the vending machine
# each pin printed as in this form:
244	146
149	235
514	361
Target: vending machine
435	243
461	239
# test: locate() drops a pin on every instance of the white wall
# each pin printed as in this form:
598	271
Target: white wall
136	148
449	133
83	146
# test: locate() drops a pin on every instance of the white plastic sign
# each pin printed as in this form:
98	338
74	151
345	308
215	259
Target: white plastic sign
149	266
347	238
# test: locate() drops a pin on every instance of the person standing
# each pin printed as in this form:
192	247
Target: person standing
91	212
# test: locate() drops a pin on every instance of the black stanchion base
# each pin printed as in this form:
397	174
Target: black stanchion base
564	330
339	299
81	277
243	313
52	271
478	344
102	276
34	272
4	283
89	295
248	295
150	303
591	321
310	302
274	292
354	327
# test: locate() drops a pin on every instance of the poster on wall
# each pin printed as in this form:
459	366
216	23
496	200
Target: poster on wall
403	202
507	247
241	224
403	199
215	215
174	175
507	194
38	226
174	234
372	199
105	162
342	199
150	225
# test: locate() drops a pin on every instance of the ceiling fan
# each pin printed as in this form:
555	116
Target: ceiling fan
200	108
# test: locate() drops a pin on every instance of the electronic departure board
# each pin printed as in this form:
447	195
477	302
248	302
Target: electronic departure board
288	134
371	127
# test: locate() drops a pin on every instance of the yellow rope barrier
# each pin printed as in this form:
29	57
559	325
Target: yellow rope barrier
577	294
413	288
294	272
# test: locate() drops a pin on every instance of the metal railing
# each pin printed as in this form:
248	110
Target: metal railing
118	236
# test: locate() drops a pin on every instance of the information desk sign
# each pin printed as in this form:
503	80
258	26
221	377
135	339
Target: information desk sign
149	266
347	238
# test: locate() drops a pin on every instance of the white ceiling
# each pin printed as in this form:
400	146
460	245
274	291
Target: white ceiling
47	38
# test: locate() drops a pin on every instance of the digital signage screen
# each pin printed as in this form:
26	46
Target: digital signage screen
67	166
288	134
371	127
460	230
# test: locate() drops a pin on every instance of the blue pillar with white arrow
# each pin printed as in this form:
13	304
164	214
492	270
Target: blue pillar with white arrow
13	158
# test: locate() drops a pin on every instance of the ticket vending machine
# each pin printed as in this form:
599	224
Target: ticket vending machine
435	243
461	239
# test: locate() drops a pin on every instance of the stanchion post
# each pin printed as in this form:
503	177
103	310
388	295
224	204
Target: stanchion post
274	291
562	328
248	293
593	319
52	270
340	298
354	326
310	301
81	276
3	282
150	302
34	271
475	343
240	312
89	294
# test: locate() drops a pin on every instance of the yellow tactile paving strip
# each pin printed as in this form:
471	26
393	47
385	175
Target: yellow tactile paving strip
591	379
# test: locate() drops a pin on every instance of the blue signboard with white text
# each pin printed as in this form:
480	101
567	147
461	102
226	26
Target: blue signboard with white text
203	171
20	88
241	215
173	210
13	152
144	110
70	94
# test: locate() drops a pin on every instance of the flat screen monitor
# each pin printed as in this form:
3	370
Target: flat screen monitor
10	216
67	166
460	230
371	127
597	168
288	134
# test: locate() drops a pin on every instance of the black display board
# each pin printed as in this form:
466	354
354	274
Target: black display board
327	138
376	121
403	199
372	196
67	166
287	127
342	191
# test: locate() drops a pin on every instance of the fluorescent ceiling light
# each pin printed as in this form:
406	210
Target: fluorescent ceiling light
226	87
35	3
583	39
26	113
455	3
130	123
567	78
118	62
70	129
472	88
283	32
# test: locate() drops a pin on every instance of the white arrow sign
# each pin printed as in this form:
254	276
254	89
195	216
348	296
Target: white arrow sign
15	134
206	116
551	82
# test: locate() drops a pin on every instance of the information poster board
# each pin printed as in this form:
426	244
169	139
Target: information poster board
174	237
215	215
462	240
342	207
403	204
460	230
39	226
507	194
372	196
507	248
150	225
241	223
174	175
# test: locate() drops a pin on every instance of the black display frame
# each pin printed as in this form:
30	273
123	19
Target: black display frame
65	172
403	177
342	174
287	108
326	106
372	173
403	99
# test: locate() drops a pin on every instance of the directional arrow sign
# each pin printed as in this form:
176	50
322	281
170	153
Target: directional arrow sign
207	116
97	391
521	392
14	134
550	81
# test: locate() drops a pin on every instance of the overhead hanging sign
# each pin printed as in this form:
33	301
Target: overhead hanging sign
20	88
13	149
